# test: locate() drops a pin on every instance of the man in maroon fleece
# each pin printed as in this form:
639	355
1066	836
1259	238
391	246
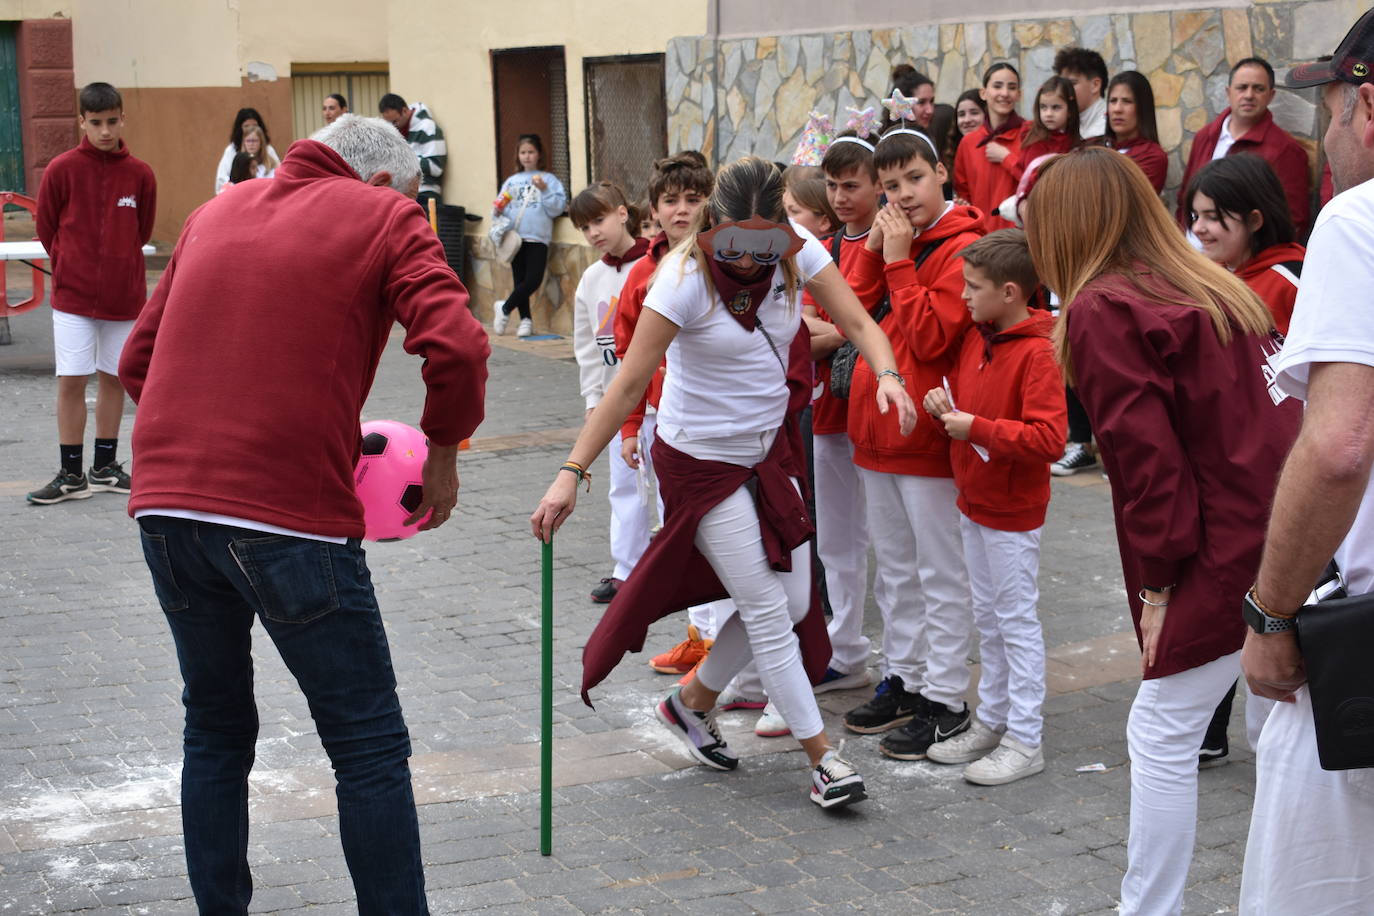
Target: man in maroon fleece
250	366
95	214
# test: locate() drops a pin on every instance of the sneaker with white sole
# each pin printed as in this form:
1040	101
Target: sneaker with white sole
771	724
525	329
967	746
1009	761
697	730
64	486
112	478
838	680
1077	457
835	783
499	317
730	700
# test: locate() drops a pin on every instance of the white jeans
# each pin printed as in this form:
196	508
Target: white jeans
1002	571
1168	719
1311	847
842	545
925	600
629	515
767	602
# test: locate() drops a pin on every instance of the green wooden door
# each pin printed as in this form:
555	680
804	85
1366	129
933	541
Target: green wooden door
11	144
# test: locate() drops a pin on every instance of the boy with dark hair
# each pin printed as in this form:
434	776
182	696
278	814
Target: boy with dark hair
1087	71
95	213
1004	407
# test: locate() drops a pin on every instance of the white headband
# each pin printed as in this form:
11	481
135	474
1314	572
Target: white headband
864	143
915	133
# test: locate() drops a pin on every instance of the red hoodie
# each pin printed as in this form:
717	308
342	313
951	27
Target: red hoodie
1011	383
1151	158
1271	143
926	326
95	214
1057	142
627	316
829	414
256	352
986	184
1273	275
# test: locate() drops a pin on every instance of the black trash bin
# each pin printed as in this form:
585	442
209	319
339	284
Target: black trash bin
452	219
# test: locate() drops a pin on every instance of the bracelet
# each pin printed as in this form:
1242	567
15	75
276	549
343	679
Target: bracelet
1164	603
582	475
1254	596
895	374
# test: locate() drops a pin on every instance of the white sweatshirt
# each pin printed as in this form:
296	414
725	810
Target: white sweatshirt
594	306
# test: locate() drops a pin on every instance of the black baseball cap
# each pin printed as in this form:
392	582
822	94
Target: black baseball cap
1352	63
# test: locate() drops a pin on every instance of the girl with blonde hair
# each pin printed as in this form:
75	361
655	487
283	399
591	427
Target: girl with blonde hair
1168	352
725	308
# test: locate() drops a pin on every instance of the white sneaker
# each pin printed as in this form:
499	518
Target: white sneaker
1009	761
972	743
526	328
835	783
499	318
771	724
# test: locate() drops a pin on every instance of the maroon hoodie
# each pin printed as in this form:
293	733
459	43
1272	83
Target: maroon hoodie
255	354
95	214
1192	436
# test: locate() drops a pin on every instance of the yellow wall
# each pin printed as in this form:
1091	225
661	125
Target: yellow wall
440	54
35	9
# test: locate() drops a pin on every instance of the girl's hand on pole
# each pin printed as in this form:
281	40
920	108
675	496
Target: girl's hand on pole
556	506
891	393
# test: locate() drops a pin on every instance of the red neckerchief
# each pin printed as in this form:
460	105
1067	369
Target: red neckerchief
658	247
1013	122
636	252
742	300
992	336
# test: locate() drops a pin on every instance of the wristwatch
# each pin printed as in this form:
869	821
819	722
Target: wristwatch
1260	618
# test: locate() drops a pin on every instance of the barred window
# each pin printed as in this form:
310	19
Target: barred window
627	119
362	84
530	89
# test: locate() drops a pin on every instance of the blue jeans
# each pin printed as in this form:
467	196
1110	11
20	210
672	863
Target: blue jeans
316	602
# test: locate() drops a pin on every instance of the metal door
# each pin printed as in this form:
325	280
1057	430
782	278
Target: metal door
11	145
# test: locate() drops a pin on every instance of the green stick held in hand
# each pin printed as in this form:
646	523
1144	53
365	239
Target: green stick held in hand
546	700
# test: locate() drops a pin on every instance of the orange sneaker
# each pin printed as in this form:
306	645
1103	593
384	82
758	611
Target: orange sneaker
684	656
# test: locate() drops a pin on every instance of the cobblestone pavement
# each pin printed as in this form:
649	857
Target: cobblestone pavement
91	719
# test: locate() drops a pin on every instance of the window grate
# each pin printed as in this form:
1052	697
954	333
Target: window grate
627	120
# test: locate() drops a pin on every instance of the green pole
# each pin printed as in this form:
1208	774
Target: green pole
546	723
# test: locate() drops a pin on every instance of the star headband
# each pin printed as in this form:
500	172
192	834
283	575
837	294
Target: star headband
864	143
915	133
863	122
765	241
900	107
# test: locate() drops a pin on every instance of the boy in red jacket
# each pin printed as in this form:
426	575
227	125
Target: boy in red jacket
95	214
1004	407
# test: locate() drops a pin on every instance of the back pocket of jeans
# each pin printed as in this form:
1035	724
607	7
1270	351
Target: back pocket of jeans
293	578
169	594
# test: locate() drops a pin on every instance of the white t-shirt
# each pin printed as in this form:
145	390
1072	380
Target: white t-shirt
723	380
1333	322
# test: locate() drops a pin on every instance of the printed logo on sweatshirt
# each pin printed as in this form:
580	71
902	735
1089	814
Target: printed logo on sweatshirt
605	330
127	201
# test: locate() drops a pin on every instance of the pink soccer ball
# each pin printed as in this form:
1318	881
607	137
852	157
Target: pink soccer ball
388	478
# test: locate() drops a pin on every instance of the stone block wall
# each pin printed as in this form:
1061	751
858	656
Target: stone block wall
752	95
46	94
489	280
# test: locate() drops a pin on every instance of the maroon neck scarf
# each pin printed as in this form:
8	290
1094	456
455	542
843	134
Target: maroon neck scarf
742	298
636	252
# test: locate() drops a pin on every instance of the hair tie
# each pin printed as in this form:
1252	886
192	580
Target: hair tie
915	133
864	143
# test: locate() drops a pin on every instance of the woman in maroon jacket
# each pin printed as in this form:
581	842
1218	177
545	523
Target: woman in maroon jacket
1168	352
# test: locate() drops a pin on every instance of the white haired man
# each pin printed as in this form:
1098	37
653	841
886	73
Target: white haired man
1311	845
250	365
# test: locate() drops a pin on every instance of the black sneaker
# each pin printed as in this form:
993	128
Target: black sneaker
604	592
1077	457
891	707
1216	747
64	486
110	478
932	722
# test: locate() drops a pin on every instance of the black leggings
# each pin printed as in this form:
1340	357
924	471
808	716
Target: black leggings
1080	427
527	269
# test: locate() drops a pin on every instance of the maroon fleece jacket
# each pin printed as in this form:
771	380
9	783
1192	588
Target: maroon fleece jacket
95	214
255	354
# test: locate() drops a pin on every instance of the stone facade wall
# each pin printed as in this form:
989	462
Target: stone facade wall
753	95
489	280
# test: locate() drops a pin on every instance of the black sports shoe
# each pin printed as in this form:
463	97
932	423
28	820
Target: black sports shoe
1216	747
604	592
64	486
891	707
111	478
1077	457
932	722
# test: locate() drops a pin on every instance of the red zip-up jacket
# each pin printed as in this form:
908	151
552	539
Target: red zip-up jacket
627	316
829	414
1273	275
255	355
1192	435
1271	143
1057	142
986	184
95	214
1011	383
926	327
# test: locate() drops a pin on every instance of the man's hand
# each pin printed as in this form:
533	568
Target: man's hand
440	487
1273	665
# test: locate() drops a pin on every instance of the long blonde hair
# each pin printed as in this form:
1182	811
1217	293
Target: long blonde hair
264	156
1093	212
746	187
